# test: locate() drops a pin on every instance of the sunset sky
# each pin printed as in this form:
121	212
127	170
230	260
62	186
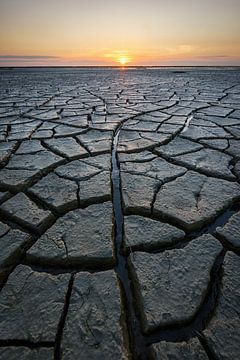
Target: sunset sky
126	32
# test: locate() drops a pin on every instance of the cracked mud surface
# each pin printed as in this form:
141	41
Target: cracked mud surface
119	214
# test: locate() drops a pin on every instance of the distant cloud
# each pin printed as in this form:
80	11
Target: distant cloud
27	57
214	57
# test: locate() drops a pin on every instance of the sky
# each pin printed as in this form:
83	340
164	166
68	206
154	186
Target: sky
124	32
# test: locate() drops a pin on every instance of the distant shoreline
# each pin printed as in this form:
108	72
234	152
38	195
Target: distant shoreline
122	67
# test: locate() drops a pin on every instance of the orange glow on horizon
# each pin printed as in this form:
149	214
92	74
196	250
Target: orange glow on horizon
120	57
166	56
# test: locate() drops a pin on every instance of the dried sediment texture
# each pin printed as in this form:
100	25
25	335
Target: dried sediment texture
58	193
138	192
14	244
24	211
94	322
171	286
223	332
230	232
81	237
67	147
143	233
23	353
42	160
208	161
118	192
181	350
31	305
193	200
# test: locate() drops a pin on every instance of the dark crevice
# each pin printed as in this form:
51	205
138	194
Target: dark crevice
32	180
173	160
37	200
36	129
52	150
55	151
184	332
14	225
187	123
78	193
4	162
157	189
226	244
57	347
208	350
80	143
75	179
21	225
48	207
26	343
138	348
138	150
94	200
207	228
187	152
56	269
137	161
232	166
157	248
9	128
219	221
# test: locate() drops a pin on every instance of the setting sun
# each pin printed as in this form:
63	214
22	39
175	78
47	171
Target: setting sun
123	60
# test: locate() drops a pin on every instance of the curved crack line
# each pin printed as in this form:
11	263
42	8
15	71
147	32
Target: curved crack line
26	343
194	327
137	343
58	339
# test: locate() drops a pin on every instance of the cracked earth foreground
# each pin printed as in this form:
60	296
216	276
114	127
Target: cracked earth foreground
120	215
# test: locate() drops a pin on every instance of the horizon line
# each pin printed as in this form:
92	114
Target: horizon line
115	66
